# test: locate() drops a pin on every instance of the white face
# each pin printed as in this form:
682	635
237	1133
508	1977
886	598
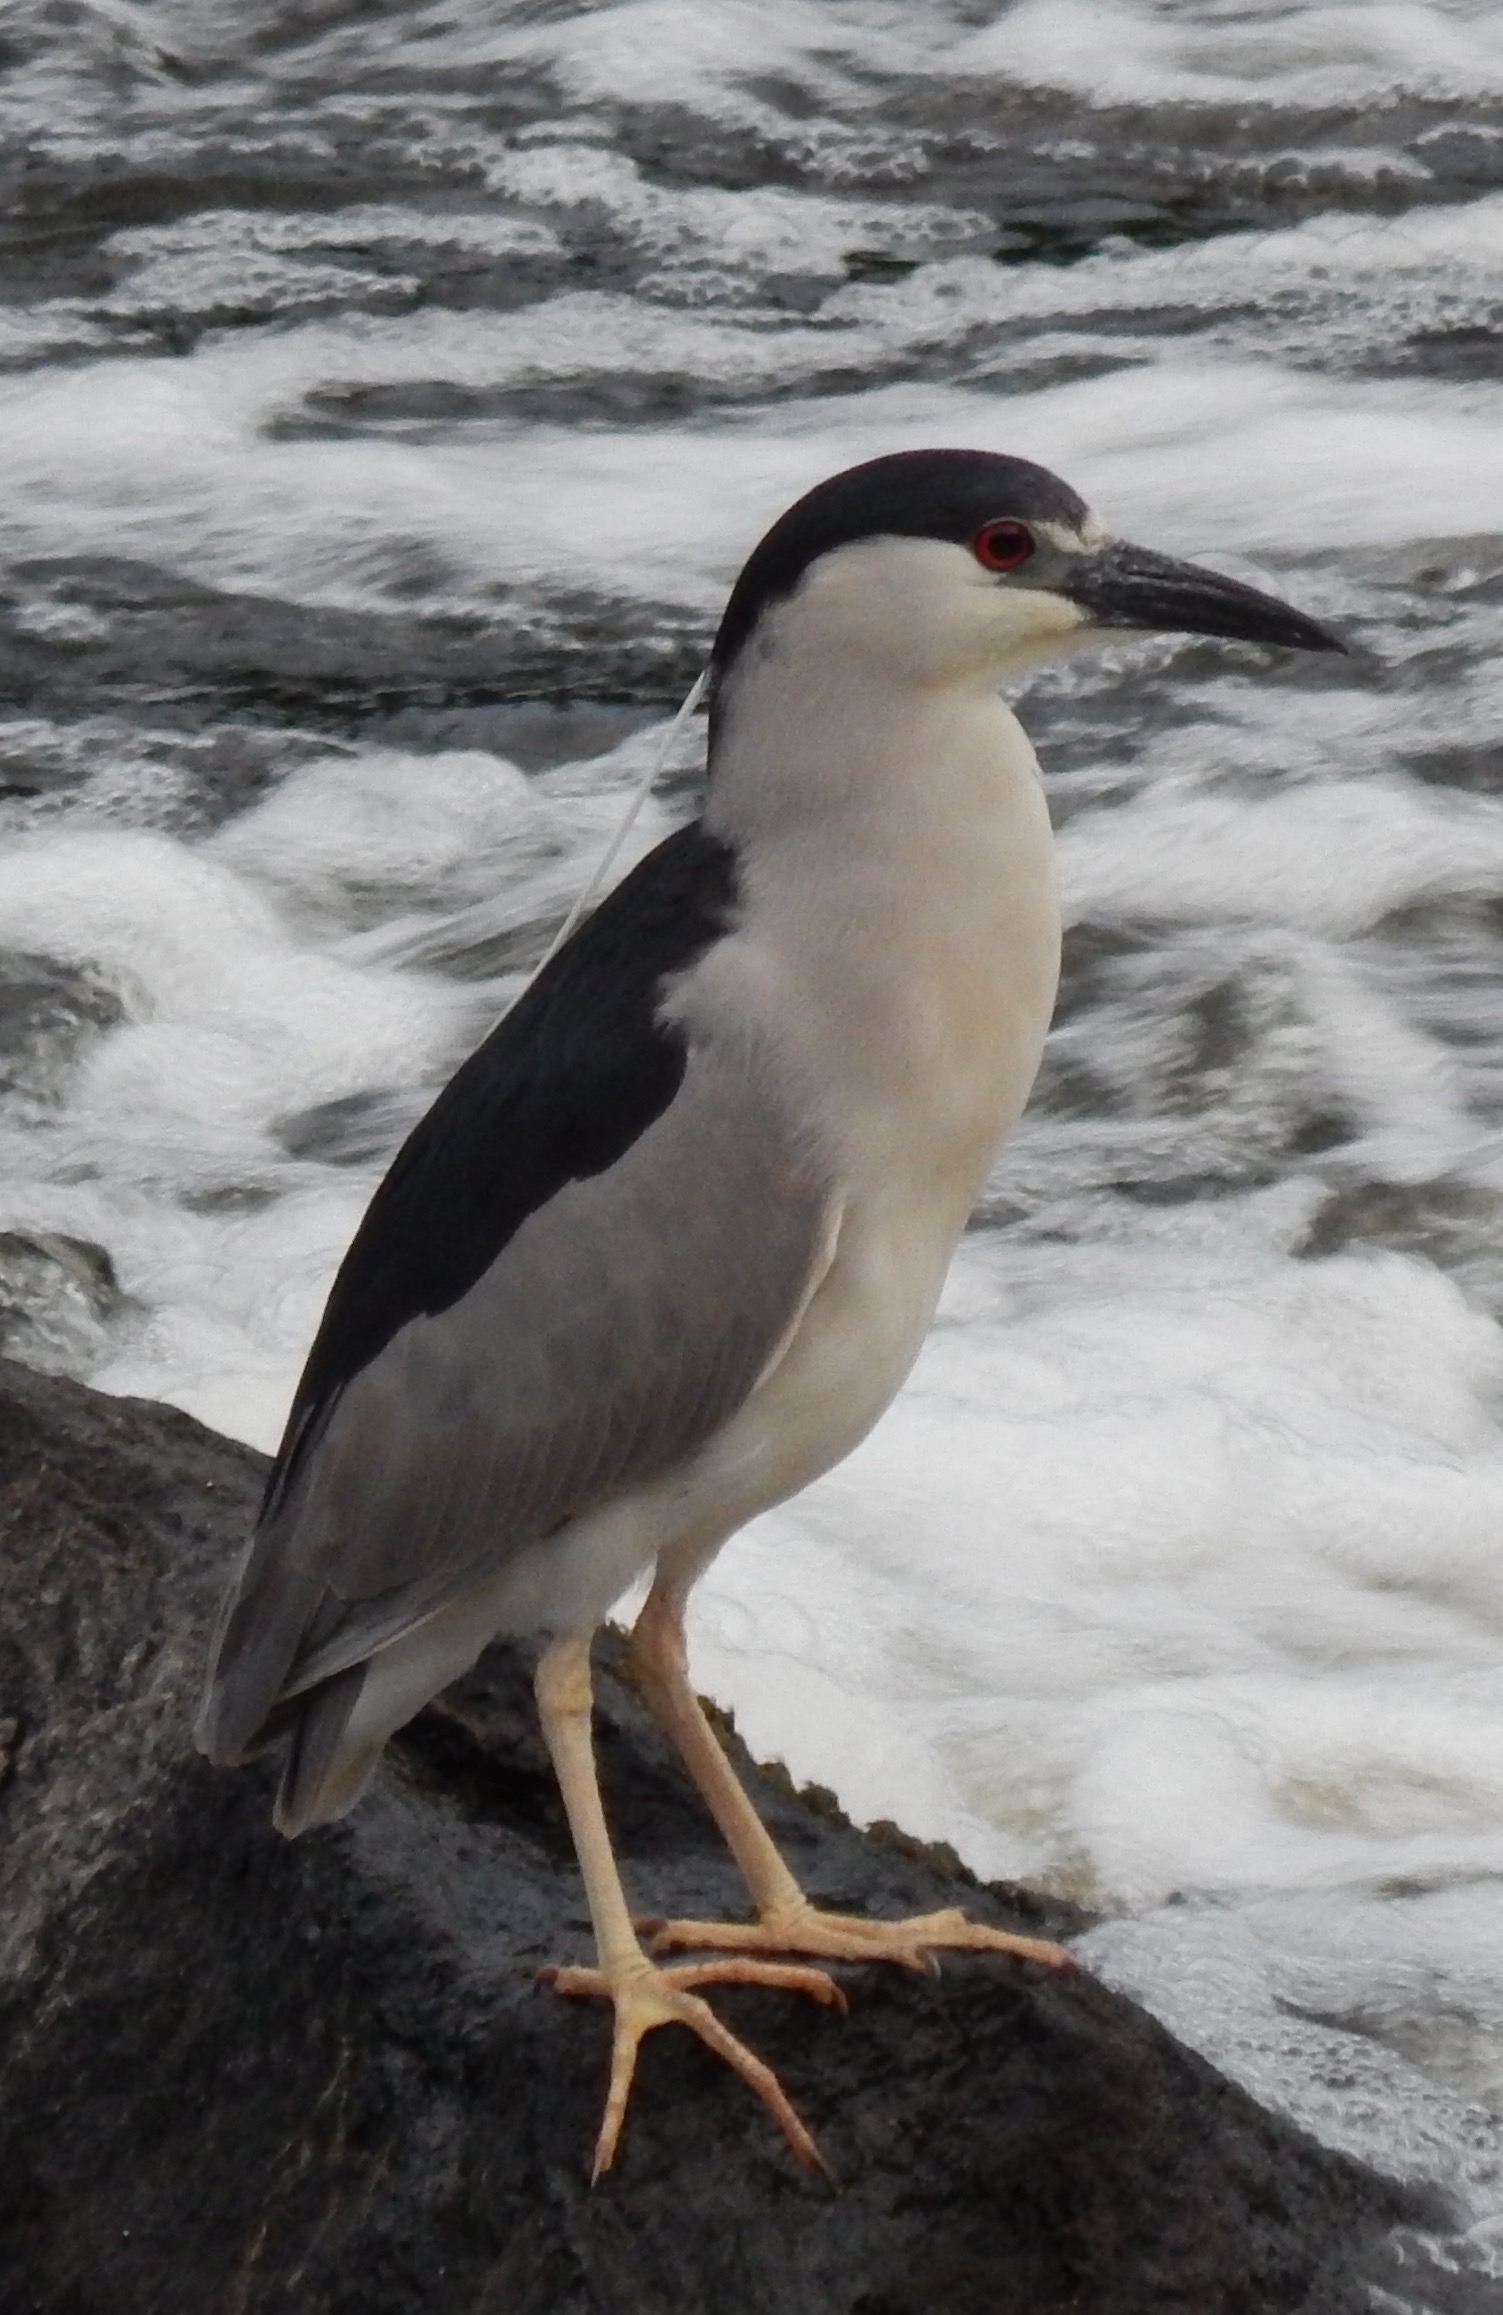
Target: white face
933	613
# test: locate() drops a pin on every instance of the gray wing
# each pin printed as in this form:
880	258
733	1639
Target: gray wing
617	1331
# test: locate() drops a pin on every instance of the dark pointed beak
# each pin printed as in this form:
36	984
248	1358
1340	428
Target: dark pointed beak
1125	586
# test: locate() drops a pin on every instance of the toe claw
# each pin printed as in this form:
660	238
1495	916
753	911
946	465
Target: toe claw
646	1996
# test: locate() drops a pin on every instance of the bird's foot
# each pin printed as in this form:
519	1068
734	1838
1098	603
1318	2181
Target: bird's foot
646	1996
850	1937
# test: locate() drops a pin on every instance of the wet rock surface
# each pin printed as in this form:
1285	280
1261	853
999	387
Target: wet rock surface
47	1011
241	2074
58	1296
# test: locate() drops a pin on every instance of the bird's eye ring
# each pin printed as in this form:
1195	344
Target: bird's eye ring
1004	545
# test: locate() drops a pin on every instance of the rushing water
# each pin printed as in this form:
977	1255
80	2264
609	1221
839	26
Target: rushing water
389	394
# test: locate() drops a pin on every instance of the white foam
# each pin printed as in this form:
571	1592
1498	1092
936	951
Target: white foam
1332	856
161	460
662	51
1172	1581
1196	1555
234	232
714	59
362	836
1319	2005
766	229
1337	280
1276	53
203	962
274	968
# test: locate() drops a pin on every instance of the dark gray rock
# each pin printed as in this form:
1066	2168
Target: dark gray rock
59	1296
1456	1224
48	1013
244	2076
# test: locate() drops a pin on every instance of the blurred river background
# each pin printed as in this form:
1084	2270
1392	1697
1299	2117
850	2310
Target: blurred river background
389	395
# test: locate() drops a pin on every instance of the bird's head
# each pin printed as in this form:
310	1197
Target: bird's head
957	565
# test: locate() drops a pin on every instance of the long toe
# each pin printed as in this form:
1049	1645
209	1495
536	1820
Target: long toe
851	1937
646	1996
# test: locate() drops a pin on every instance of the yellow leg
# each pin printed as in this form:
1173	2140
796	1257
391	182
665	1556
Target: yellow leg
644	1994
786	1921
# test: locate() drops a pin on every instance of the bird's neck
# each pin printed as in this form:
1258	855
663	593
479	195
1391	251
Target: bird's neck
897	874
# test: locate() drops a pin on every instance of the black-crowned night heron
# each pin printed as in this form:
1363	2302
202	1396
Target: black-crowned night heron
667	1245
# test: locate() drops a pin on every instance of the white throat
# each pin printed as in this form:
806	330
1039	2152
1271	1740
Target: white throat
898	881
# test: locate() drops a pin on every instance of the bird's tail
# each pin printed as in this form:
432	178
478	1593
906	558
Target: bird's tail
329	1763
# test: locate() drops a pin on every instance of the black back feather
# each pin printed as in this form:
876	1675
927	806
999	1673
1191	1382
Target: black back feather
560	1089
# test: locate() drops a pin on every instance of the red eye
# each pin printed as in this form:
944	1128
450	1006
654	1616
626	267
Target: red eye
1003	546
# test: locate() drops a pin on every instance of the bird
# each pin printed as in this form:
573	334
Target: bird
666	1246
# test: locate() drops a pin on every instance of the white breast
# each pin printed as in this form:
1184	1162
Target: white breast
901	942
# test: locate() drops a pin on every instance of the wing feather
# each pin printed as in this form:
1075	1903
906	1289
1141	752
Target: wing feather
612	1336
